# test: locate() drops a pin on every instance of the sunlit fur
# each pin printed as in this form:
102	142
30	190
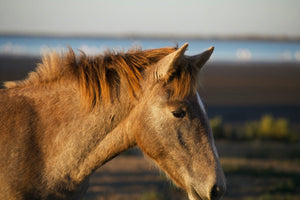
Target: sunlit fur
50	147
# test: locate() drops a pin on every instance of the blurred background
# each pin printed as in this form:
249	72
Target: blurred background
250	85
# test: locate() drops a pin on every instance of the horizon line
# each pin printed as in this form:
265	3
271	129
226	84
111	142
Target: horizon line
254	37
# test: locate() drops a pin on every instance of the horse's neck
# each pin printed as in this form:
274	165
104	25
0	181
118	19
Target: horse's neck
74	142
114	135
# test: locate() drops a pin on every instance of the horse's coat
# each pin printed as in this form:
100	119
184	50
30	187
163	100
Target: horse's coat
74	113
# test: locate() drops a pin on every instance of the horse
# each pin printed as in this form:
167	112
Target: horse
76	112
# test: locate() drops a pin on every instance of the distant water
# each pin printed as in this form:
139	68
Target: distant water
225	50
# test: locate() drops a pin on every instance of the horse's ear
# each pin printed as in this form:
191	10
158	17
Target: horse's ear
167	65
200	59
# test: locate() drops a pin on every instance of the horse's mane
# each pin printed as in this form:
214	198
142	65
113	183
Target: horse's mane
97	76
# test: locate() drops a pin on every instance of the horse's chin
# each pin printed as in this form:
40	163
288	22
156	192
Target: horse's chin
195	194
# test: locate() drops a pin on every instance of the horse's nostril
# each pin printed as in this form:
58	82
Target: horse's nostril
216	192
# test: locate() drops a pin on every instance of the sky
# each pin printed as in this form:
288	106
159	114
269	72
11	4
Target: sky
276	18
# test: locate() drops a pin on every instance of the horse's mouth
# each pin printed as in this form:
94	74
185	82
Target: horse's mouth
215	194
194	195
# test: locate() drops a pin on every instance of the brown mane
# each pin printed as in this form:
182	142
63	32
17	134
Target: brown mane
98	76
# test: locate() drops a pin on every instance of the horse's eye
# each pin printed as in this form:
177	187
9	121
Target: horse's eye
179	113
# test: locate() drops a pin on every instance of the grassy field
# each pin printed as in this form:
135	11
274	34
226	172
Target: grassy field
254	170
261	170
